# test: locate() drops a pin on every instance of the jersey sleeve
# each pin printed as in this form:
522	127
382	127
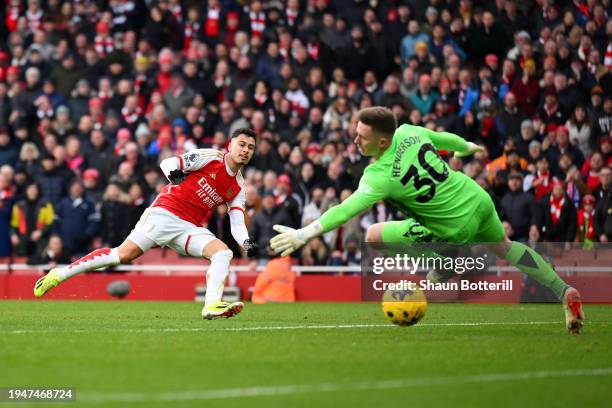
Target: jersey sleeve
239	202
236	214
441	140
196	159
371	190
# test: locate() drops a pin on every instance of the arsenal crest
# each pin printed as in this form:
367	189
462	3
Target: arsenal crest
212	175
230	192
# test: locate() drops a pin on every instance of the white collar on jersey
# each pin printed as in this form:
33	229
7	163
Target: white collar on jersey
227	168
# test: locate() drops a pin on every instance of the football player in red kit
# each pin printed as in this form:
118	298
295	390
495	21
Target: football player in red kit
200	180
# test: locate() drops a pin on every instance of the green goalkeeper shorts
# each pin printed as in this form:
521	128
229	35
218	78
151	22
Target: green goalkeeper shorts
483	225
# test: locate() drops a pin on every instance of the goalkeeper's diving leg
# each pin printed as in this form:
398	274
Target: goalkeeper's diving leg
532	264
486	227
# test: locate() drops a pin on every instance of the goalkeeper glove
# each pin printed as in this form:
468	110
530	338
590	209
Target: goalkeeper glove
471	149
251	248
177	176
287	241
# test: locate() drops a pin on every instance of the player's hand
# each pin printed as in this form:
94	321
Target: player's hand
471	149
177	176
287	241
250	247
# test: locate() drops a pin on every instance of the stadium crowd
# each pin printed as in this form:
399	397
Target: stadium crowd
93	94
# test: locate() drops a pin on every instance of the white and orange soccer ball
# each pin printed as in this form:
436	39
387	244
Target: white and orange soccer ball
404	307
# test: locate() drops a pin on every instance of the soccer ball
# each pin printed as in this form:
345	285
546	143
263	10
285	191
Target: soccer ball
404	307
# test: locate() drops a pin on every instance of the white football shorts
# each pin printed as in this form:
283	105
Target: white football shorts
158	226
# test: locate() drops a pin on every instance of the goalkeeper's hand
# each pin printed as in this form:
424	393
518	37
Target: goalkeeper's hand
250	247
471	149
177	176
287	241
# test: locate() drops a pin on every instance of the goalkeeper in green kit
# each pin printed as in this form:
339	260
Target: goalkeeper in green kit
445	205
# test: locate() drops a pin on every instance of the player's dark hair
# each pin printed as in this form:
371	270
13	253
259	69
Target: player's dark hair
244	131
381	119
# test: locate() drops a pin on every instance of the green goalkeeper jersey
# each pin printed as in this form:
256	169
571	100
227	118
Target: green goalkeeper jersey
413	177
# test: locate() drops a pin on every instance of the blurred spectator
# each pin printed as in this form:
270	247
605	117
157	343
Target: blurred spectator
526	89
76	220
562	145
424	97
315	252
509	120
580	130
52	180
178	96
6	208
411	39
605	182
138	204
125	176
263	221
604	116
501	162
527	136
29	159
519	209
31	222
285	198
66	75
603	210
114	216
551	112
591	169
52	254
541	182
312	211
586	228
557	218
9	153
99	155
351	256
62	125
91	186
77	106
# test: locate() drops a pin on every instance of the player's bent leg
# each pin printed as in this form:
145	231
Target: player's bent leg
408	231
220	257
97	259
128	251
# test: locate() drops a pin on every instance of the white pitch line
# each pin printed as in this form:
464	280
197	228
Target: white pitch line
263	391
266	328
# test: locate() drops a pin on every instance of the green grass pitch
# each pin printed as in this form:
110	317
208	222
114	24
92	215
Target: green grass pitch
150	354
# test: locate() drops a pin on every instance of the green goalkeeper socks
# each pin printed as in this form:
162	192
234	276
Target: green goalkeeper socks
531	263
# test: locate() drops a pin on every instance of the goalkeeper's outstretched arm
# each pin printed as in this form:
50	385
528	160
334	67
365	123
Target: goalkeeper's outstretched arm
447	141
289	239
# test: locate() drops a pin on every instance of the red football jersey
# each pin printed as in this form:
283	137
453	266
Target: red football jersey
209	183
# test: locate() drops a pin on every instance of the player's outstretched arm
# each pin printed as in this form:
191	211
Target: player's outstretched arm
172	170
290	240
238	226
